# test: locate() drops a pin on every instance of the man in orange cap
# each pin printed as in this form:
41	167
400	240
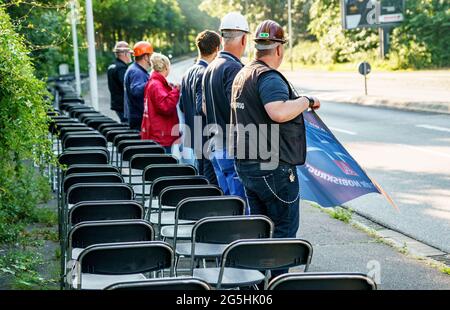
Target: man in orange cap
135	79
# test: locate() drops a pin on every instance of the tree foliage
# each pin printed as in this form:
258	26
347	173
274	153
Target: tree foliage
421	41
23	132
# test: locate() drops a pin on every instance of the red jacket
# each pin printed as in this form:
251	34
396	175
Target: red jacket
160	111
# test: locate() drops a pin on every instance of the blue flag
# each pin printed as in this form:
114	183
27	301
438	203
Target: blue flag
330	176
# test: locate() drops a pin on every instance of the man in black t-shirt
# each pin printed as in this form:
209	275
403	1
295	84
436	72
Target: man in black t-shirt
263	99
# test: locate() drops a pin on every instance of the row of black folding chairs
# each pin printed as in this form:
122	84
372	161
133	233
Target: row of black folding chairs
98	250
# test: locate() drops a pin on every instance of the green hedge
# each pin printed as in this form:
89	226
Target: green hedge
23	134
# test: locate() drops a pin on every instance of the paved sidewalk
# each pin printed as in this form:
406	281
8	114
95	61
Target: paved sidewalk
420	90
341	247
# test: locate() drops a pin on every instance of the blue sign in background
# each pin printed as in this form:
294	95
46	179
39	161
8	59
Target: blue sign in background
330	176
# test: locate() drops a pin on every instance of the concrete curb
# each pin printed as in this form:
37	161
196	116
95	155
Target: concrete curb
401	242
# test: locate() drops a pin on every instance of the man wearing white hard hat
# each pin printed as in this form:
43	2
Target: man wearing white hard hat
216	85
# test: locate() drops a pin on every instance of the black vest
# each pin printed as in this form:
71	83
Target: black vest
248	111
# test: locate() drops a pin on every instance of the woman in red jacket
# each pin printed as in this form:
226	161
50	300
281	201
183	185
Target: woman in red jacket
160	119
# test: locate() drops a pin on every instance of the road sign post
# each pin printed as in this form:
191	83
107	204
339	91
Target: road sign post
364	68
381	14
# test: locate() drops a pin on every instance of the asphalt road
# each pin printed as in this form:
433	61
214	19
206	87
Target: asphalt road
407	153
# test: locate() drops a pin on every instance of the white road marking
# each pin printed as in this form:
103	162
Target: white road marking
343	131
426	150
434	127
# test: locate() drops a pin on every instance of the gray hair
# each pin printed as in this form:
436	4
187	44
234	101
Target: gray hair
159	62
232	35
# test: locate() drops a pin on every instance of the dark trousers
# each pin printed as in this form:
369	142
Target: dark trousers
275	194
121	116
135	123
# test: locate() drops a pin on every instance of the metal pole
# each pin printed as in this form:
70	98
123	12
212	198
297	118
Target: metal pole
76	61
381	34
91	54
290	33
365	78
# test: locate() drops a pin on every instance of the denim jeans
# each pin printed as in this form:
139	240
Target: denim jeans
274	193
226	174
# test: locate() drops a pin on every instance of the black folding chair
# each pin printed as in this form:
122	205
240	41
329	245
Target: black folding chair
104	128
211	235
163	182
95	123
243	260
99	266
108	210
98	192
322	281
139	162
172	195
167	284
87	168
122	144
135	148
195	209
153	172
116	136
89	233
84	141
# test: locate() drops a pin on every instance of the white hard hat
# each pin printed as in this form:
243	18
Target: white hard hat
234	21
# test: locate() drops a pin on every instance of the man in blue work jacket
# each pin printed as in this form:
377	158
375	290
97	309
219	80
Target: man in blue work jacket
136	78
217	82
208	45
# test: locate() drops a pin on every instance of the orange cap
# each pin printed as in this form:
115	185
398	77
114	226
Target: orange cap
142	48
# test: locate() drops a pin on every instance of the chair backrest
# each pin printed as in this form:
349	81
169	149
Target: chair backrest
126	143
95	177
86	168
267	254
163	182
82	132
57	125
111	135
102	191
152	172
226	229
140	161
65	130
87	117
172	195
88	233
126	258
197	208
83	157
129	151
79	113
84	140
323	281
95	123
105	211
167	284
104	128
125	135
